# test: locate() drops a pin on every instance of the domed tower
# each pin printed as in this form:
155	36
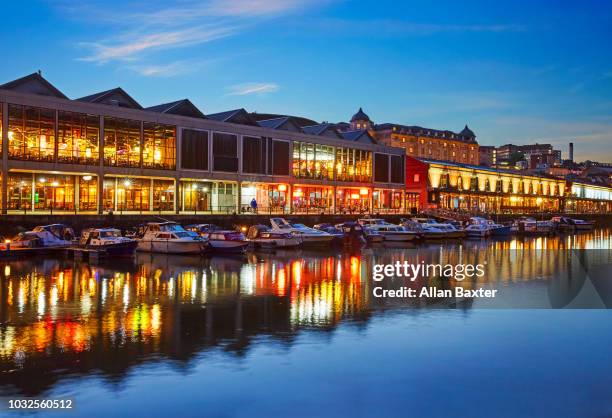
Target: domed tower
468	133
361	121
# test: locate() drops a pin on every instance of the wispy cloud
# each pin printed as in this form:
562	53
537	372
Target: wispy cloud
185	24
128	47
246	89
171	69
191	10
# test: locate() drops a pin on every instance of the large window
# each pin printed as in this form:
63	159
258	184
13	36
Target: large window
159	149
225	152
31	133
363	166
20	187
280	158
54	192
88	193
45	193
163	195
353	165
121	142
313	161
127	194
381	168
254	155
78	138
397	169
194	150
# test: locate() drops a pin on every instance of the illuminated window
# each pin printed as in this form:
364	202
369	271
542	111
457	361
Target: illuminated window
159	146
416	178
31	133
121	142
78	138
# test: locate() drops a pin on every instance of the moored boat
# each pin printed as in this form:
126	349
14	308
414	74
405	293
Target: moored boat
309	236
44	237
389	231
332	230
108	240
170	238
263	236
355	234
219	239
529	226
477	230
564	223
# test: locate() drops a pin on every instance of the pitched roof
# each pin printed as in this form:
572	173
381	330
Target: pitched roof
326	129
238	116
116	96
34	83
285	123
182	107
360	115
298	120
360	135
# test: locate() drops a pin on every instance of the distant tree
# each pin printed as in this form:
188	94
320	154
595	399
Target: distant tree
515	157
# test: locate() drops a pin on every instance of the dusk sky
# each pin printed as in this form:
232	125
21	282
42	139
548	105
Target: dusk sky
515	72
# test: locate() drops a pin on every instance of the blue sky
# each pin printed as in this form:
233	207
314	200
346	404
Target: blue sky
516	71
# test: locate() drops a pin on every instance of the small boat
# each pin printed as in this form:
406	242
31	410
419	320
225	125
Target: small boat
356	235
450	230
477	230
263	236
529	226
582	225
108	240
424	229
497	230
44	237
219	239
389	231
170	238
564	223
308	236
332	230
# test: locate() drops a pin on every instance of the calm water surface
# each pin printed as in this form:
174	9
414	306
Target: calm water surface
299	334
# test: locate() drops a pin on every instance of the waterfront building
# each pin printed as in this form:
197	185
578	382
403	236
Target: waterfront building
534	154
487	155
454	186
420	142
589	198
106	153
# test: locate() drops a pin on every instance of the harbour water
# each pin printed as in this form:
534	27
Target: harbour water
299	333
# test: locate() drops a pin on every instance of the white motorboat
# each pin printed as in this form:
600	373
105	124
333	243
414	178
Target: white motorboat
389	231
477	230
44	237
263	236
108	240
494	228
424	228
308	236
171	238
450	230
219	239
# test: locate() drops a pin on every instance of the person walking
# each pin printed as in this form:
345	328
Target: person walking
254	205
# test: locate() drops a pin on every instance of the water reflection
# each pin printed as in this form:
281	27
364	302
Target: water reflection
60	317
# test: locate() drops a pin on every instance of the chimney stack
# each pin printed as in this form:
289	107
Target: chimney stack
571	151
